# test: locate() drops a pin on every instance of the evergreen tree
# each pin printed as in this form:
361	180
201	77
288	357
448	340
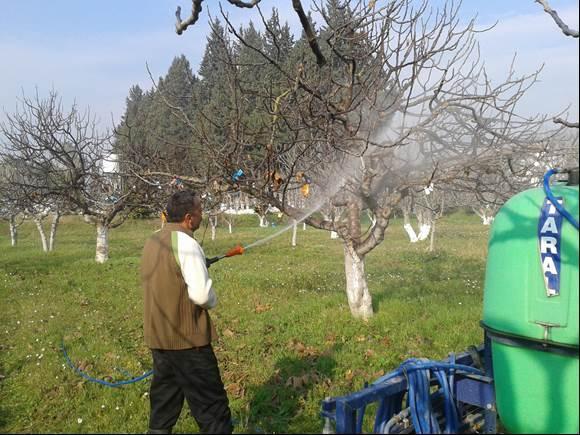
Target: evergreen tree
278	40
169	116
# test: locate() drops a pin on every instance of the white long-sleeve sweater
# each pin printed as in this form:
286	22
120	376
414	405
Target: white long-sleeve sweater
191	260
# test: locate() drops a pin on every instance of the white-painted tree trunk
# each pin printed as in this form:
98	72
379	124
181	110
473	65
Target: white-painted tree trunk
373	220
411	233
53	227
294	231
38	223
487	220
357	291
303	226
424	231
333	235
13	231
485	214
102	251
230	227
213	221
263	221
432	241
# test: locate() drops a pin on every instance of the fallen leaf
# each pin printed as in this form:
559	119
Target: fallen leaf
386	341
235	390
369	353
262	308
379	374
330	339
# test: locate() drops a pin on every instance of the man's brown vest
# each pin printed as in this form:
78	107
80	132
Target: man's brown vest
171	320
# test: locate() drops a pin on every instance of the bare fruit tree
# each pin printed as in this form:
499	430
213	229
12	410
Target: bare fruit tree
11	208
24	197
61	154
381	100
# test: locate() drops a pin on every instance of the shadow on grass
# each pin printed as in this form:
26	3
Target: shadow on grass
274	404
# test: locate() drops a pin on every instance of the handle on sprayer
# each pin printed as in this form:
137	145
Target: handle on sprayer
210	261
236	250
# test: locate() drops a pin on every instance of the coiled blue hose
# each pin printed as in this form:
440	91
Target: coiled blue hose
100	381
418	374
552	198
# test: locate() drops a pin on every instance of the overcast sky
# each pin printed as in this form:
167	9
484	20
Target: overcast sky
93	51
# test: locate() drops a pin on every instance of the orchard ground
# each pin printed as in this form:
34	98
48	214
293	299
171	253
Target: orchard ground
287	338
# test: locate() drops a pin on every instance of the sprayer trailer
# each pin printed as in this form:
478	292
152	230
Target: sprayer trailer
525	374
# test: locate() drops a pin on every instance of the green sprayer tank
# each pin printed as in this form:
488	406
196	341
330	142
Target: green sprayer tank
530	312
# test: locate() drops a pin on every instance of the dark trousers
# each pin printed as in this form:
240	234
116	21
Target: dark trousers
192	374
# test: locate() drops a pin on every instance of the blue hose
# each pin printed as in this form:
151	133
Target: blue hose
100	381
553	200
418	375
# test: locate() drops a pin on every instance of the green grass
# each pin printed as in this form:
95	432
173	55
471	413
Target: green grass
287	339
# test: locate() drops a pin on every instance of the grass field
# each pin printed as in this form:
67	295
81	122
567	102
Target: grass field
287	339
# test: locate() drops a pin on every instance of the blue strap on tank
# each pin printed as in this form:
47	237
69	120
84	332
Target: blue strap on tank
553	200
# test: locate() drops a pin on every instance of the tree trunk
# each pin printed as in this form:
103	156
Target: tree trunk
102	252
263	221
294	230
213	224
38	223
13	231
333	235
303	226
230	227
357	291
411	233
432	241
53	226
409	228
424	231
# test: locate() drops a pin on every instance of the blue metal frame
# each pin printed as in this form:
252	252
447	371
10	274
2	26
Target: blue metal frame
348	411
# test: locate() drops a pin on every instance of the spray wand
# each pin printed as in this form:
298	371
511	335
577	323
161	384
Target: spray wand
236	250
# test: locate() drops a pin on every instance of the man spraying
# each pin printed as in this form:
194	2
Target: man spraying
177	294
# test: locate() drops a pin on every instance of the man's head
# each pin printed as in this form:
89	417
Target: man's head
184	207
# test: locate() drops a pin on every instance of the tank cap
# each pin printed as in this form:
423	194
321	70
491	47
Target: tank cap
573	175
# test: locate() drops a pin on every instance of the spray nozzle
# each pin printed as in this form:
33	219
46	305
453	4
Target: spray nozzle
236	250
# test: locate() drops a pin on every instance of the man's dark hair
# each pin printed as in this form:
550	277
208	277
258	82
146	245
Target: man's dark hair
180	204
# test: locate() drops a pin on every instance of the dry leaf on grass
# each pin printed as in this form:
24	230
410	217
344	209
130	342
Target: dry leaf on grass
369	353
235	390
379	374
298	382
302	349
261	308
386	341
330	339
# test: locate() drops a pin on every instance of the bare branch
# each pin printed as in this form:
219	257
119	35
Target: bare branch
310	35
242	4
563	26
566	123
180	26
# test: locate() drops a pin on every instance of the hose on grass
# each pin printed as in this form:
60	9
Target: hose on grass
102	381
